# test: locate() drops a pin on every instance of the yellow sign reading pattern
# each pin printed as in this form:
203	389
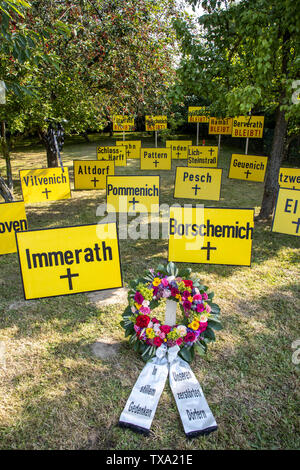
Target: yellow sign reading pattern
45	184
248	126
202	156
220	126
123	123
198	183
287	212
211	235
179	148
133	148
289	178
132	194
248	167
198	114
115	154
12	219
91	174
69	260
156	123
156	159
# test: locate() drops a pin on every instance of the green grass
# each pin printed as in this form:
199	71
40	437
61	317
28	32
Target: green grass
56	395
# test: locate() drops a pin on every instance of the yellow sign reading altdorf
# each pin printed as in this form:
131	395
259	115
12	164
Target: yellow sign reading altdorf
220	126
12	220
287	212
133	148
69	260
91	174
132	194
248	126
45	184
115	154
198	183
211	235
156	123
248	167
198	114
179	148
200	155
156	159
123	123
289	178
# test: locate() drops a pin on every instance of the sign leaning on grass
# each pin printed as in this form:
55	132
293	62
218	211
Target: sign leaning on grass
248	167
198	114
211	235
248	126
198	183
12	219
156	123
205	156
91	174
289	178
45	184
69	260
133	147
156	159
287	212
115	154
123	123
179	148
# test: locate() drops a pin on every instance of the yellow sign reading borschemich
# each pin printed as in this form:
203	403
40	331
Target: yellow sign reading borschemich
211	235
198	183
69	260
248	126
179	148
133	147
248	167
156	123
132	194
202	156
198	114
156	159
287	212
45	184
12	219
113	154
289	178
91	174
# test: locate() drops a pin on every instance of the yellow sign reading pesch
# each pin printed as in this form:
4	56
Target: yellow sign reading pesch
198	183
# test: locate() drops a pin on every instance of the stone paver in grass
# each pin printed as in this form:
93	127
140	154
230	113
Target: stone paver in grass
108	297
105	348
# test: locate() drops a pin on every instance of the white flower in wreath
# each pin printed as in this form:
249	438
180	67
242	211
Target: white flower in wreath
170	278
181	330
203	319
145	303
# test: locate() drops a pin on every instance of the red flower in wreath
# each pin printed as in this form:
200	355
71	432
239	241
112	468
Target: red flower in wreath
157	341
188	283
165	329
189	337
142	321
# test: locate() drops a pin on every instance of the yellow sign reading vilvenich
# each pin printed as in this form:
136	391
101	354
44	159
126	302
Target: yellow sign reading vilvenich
198	183
115	154
91	174
179	148
202	156
248	167
156	123
132	194
220	126
248	126
45	184
156	159
198	114
133	148
287	212
12	220
289	178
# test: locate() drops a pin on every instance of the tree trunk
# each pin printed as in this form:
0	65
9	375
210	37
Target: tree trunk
52	160
6	153
274	162
5	191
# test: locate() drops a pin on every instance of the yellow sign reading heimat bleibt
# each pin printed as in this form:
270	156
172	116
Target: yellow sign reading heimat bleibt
179	148
211	235
91	174
248	126
289	178
133	147
287	212
113	154
198	114
156	123
45	184
202	156
12	220
69	260
123	123
198	183
156	159
248	167
220	126
132	194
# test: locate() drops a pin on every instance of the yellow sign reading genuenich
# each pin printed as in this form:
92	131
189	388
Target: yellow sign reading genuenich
248	167
202	156
12	219
156	159
45	184
132	194
287	212
248	126
198	183
91	174
115	154
179	148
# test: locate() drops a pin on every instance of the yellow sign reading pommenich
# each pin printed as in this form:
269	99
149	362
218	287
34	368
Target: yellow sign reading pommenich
202	156
45	184
113	154
156	123
12	220
179	148
198	114
132	194
198	183
289	178
248	167
69	260
156	159
91	174
287	212
133	148
248	126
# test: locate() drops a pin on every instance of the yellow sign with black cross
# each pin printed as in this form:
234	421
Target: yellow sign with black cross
91	174
248	126
156	123
123	123
12	219
132	194
133	148
248	167
156	159
45	184
179	148
198	183
198	114
289	178
287	212
209	235
220	126
201	155
69	260
116	154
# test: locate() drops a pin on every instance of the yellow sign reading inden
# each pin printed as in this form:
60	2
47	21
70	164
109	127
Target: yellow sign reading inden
132	194
287	212
123	123
202	156
179	148
156	123
220	126
156	159
211	235
69	260
248	126
113	154
248	167
289	178
45	184
198	114
198	183
91	174
133	148
12	219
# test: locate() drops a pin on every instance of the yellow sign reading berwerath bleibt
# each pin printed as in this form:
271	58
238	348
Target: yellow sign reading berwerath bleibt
289	178
123	123
220	126
198	183
133	148
211	235
12	219
45	184
132	194
202	156
115	154
69	260
179	148
248	167
91	174
156	123
198	114
156	159
248	126
287	212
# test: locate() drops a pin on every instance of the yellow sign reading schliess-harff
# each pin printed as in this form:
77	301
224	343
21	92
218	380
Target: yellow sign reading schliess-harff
12	220
91	174
156	159
287	212
45	184
198	183
248	167
115	154
132	194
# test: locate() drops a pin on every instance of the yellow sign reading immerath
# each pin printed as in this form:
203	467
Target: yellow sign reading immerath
133	147
198	183
289	178
248	126
211	235
220	126
12	219
287	212
179	148
45	184
248	167
202	156
156	159
91	174
113	154
123	123
132	194
156	123
198	114
69	260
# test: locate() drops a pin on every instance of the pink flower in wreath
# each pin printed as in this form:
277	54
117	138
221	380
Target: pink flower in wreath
165	329
165	282
200	308
198	297
202	327
136	328
154	320
208	308
205	296
145	310
179	341
162	335
138	298
187	305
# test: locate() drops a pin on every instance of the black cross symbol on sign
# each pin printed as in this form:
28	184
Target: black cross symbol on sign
134	202
69	277
94	181
298	224
211	151
156	162
208	248
247	173
127	153
46	192
196	189
178	154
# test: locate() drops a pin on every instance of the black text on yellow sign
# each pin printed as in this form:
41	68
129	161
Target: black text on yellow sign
12	219
220	126
289	178
156	123
123	123
132	194
156	159
248	167
133	148
45	184
69	260
179	148
198	114
203	156
287	212
115	154
211	235
248	126
198	183
91	174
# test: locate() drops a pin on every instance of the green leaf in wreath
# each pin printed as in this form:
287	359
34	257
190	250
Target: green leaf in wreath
208	333
172	269
215	324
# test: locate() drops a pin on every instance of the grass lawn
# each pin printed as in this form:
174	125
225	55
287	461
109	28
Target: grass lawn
54	394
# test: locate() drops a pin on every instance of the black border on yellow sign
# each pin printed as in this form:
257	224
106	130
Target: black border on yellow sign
69	226
54	200
205	167
240	179
153	169
275	208
90	189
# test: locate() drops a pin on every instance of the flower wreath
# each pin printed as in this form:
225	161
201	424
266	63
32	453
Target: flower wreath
200	314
